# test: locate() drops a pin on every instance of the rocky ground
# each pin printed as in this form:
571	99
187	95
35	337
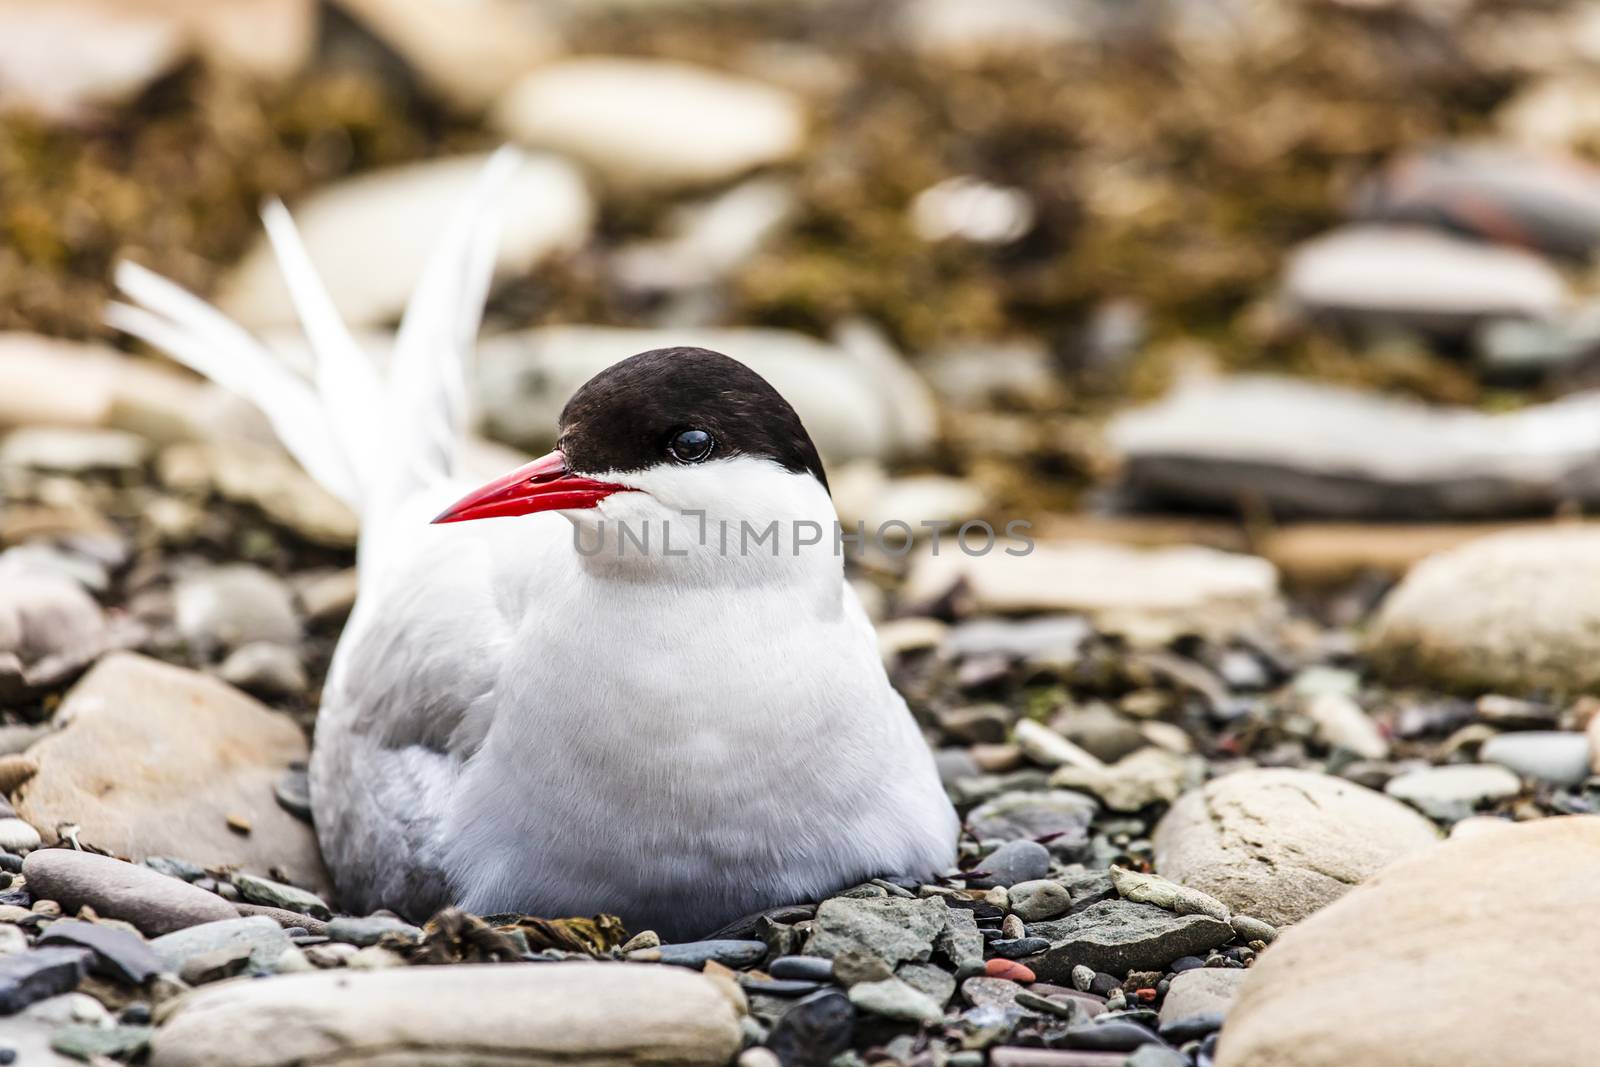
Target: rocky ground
1280	633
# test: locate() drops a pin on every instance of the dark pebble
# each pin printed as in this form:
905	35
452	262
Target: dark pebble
1104	984
1113	1035
729	953
1016	948
747	927
293	790
20	897
1186	963
814	1031
802	968
1012	862
38	973
10	862
136	1014
8	1056
119	953
1192	1028
779	987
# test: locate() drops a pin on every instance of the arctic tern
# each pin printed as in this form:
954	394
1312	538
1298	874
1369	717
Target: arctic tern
537	706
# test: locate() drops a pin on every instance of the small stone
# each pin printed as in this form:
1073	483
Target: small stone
216	964
1012	862
26	977
1192	1028
853	966
894	999
121	954
15	769
814	1030
1014	815
1206	991
234	605
895	929
696	954
1114	1035
641	940
90	1043
1153	889
150	901
17	835
1454	792
1011	927
264	939
1146	777
1010	970
1050	1057
1048	748
1039	899
1082	978
802	968
935	982
1555	756
1342	724
266	669
1120	935
758	1057
259	890
371	929
1018	948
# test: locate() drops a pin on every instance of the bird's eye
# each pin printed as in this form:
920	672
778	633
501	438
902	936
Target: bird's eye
690	446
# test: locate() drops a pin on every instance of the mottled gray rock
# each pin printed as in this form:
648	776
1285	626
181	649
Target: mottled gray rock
273	894
153	902
1014	861
265	939
1309	449
893	928
1039	899
894	999
1279	844
1498	613
961	941
509	1013
1202	991
938	984
1117	936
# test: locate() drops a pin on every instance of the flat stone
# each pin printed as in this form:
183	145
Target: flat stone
1466	921
153	902
370	930
119	953
29	976
894	999
652	123
1454	792
1019	815
1555	756
264	939
1148	776
1117	936
814	1030
1202	991
151	760
1149	596
273	894
213	965
854	404
696	954
1039	899
893	928
806	968
1419	278
515	1012
1312	450
1178	899
546	211
1279	844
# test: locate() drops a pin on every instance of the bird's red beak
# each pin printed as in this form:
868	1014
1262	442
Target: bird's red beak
543	485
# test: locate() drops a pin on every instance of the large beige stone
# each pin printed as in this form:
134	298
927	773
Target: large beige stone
1280	844
526	1013
1431	962
1507	613
152	760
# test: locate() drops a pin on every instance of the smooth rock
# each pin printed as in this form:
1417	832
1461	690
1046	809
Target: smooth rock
26	977
855	402
1153	889
652	123
1148	595
1048	748
1118	936
1099	730
804	968
1497	614
1555	756
1467	921
1013	862
814	1031
122	954
50	629
234	605
1202	991
273	894
1342	724
370	265
1006	1056
1279	844
153	759
536	1013
1116	1035
1309	449
153	902
266	669
1418	278
1454	792
18	836
264	938
893	928
696	954
371	929
1039	899
1148	776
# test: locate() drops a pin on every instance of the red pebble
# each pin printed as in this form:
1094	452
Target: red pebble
1146	995
1011	969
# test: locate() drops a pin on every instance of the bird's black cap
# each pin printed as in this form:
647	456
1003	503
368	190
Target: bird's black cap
630	416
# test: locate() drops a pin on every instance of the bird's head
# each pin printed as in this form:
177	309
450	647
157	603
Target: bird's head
679	437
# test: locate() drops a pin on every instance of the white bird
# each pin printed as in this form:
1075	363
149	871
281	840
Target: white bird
531	712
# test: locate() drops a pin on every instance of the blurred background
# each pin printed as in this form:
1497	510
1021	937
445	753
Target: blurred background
1310	280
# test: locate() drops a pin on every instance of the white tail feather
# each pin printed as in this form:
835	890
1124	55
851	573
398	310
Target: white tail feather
363	442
